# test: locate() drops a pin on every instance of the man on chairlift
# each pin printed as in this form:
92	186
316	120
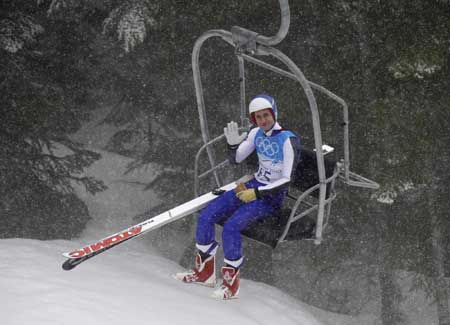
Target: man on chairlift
278	153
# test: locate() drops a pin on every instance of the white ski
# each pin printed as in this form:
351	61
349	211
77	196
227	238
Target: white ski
80	255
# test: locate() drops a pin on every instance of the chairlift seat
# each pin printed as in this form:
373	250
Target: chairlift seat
270	229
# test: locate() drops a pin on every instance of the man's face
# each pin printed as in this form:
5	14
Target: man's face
264	119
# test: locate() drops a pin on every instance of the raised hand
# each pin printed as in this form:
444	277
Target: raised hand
231	132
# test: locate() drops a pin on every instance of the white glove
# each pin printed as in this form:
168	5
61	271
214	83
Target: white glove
232	134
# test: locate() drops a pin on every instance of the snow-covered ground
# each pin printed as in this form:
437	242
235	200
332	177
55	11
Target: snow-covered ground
125	285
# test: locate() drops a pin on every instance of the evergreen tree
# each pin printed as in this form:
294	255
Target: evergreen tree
43	100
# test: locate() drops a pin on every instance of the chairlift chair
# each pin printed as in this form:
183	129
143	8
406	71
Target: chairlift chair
312	191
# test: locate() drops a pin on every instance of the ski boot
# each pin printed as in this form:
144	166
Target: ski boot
229	288
204	272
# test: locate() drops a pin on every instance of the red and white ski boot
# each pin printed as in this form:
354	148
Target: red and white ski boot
204	272
229	288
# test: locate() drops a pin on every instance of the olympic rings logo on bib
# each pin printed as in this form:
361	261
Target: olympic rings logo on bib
267	147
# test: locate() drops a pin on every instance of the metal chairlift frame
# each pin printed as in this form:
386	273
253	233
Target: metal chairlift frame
248	45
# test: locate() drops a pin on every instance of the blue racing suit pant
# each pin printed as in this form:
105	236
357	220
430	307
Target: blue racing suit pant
238	215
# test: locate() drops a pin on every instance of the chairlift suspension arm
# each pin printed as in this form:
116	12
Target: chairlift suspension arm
199	91
317	131
284	26
244	119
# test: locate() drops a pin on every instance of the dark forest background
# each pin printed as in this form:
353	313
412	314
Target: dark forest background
62	59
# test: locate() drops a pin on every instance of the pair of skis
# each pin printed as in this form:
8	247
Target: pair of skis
82	254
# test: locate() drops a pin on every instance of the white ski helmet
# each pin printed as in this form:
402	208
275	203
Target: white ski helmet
261	102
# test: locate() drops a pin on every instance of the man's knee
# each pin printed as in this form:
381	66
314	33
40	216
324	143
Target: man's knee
205	219
230	227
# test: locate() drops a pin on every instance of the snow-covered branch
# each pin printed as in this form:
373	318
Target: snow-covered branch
16	31
418	69
131	21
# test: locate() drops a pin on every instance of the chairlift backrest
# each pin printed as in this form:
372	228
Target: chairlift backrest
306	175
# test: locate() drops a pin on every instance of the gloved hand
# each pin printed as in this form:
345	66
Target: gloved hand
247	195
240	187
232	134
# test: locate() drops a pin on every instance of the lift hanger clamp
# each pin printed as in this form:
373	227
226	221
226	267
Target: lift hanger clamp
244	40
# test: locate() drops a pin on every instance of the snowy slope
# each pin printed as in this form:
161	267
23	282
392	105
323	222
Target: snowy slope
128	284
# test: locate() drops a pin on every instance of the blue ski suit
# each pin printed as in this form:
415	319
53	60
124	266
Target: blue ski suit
278	153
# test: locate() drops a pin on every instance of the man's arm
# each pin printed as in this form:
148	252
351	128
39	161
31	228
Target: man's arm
238	153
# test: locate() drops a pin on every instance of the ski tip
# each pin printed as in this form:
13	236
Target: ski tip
69	264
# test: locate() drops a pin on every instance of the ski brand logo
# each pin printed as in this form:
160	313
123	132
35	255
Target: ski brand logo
107	242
